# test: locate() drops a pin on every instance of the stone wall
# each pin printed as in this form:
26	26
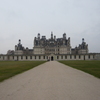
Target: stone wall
49	57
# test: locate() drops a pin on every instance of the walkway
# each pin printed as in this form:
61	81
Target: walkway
51	81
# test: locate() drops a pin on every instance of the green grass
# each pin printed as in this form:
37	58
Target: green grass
11	68
91	67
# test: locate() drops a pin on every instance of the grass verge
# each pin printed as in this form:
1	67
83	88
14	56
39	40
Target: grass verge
11	68
91	67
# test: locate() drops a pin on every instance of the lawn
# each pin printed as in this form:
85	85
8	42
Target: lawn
91	67
11	68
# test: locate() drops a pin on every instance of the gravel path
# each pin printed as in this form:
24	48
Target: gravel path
51	81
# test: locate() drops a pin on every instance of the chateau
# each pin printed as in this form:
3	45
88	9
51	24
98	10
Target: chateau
52	45
50	49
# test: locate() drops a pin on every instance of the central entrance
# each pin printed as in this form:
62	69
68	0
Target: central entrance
52	58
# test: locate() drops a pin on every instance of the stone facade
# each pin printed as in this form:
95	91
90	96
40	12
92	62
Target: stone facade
52	45
45	57
81	49
50	49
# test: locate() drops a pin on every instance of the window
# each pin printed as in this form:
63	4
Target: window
44	57
3	58
65	57
89	56
21	57
75	56
39	57
61	57
26	57
57	57
13	57
93	56
70	56
8	57
35	57
17	58
84	57
79	57
30	57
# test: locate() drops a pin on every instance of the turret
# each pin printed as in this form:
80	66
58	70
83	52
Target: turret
51	35
69	41
38	35
19	41
64	36
19	46
54	37
82	40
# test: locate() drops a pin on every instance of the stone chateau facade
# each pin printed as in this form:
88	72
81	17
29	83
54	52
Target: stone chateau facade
52	45
50	49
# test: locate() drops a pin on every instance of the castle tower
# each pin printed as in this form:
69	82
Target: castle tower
82	40
51	35
64	36
54	37
19	41
38	35
68	41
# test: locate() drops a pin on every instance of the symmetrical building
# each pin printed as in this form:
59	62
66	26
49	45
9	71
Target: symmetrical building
50	49
52	45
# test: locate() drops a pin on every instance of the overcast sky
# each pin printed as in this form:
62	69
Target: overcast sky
24	19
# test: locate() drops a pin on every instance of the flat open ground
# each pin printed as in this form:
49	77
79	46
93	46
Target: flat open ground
51	81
